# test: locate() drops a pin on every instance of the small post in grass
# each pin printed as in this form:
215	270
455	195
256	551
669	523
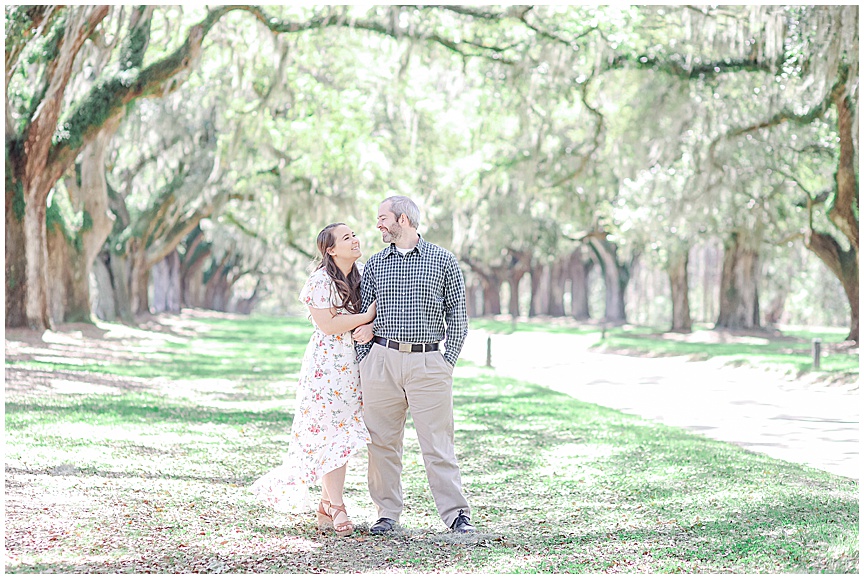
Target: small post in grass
488	351
817	352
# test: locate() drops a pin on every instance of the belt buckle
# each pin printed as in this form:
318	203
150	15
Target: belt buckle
403	347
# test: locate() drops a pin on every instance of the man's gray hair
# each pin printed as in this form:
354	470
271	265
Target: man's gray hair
400	204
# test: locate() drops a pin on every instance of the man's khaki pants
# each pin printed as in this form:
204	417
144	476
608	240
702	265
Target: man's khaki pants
392	383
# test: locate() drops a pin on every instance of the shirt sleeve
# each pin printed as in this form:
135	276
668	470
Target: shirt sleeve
367	296
317	293
455	311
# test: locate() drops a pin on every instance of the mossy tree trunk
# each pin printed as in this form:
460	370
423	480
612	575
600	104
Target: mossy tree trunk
557	281
539	290
579	269
520	264
843	263
198	251
38	159
491	279
90	195
246	305
739	282
616	276
16	264
219	281
676	269
35	166
491	294
167	284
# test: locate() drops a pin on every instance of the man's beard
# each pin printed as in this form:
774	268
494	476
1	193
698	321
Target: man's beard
393	233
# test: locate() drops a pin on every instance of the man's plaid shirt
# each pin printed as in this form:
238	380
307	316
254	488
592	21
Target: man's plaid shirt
417	293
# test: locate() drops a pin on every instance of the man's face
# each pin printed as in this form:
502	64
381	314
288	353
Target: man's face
389	227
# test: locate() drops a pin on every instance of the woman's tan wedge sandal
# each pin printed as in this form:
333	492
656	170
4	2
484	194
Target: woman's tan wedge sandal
325	521
342	529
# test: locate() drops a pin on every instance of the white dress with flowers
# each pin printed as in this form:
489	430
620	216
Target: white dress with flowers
328	422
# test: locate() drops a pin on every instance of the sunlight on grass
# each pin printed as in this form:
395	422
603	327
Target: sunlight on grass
120	467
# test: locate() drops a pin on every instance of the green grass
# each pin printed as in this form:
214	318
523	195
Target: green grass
151	476
500	326
790	351
795	355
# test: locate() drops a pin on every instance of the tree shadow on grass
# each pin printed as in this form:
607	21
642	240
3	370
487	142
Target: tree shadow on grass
137	475
139	409
180	367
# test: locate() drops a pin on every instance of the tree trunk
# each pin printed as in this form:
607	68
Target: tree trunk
539	290
579	285
74	271
676	268
776	308
104	306
193	283
217	291
491	295
120	285
167	284
615	277
35	169
16	262
844	265
139	277
471	300
557	280
91	197
739	284
246	305
36	256
58	272
513	281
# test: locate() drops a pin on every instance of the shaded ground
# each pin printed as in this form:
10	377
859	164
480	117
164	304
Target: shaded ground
130	450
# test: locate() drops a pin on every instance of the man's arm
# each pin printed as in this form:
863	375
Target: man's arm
455	312
367	296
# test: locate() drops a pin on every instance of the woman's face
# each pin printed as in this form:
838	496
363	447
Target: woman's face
345	244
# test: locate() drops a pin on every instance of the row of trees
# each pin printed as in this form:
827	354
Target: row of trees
188	156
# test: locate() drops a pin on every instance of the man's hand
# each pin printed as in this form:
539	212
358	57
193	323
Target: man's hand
363	334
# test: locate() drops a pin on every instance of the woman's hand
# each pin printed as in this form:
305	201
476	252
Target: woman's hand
363	334
372	311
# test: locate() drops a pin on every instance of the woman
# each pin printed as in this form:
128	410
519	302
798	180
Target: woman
328	423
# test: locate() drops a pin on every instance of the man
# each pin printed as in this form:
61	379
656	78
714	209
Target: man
420	296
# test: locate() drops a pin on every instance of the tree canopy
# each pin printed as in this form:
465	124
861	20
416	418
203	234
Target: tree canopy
187	156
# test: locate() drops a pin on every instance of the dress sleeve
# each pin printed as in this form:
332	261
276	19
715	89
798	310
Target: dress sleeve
317	291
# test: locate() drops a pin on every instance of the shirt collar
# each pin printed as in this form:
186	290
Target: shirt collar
419	248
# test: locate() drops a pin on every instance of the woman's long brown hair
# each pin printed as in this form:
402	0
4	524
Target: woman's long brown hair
348	287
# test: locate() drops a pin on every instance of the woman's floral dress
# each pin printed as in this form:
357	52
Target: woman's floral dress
328	422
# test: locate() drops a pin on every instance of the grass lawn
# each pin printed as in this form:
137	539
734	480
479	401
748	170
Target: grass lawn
789	350
131	451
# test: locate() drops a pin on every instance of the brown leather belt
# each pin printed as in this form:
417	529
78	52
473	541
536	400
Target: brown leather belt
404	346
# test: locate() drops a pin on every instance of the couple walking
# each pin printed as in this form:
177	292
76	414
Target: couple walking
409	298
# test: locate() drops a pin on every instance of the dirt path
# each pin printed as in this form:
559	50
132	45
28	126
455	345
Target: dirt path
762	411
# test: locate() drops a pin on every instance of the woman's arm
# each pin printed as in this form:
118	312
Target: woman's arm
329	323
